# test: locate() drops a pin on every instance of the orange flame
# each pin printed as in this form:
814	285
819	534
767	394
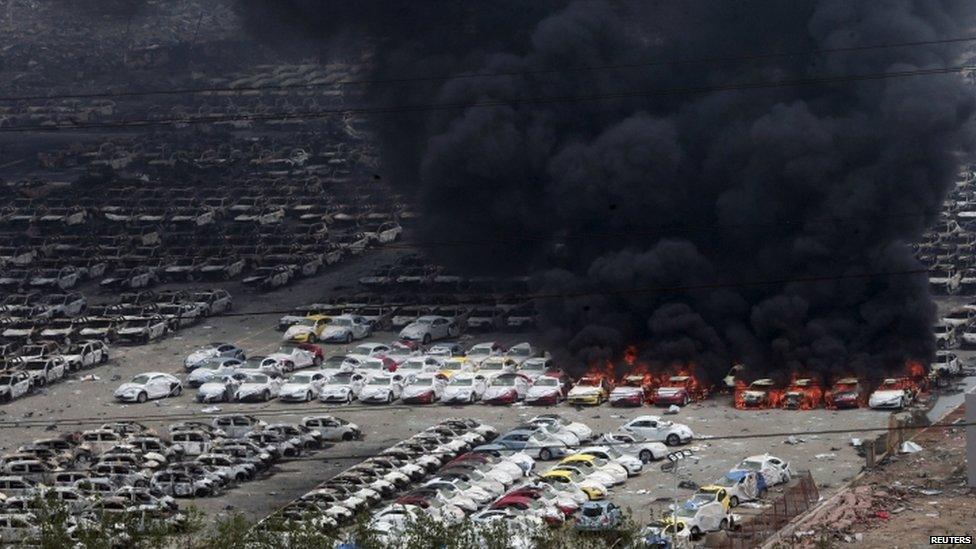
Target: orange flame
846	384
803	393
758	395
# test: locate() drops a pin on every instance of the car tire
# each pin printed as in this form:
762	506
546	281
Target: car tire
426	339
308	396
695	532
347	436
645	456
142	397
724	525
349	398
686	401
545	454
389	398
471	398
348	339
672	440
734	501
177	391
266	395
317	361
312	338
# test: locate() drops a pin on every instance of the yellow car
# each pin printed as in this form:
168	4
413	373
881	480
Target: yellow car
714	493
561	478
578	458
455	364
590	390
307	330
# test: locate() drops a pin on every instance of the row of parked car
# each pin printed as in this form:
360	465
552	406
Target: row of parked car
948	248
388	474
126	468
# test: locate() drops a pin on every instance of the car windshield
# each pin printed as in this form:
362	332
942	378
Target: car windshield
35	365
340	379
140	380
520	351
362	350
592	511
301	378
479	351
546	382
371	365
334	361
378	381
588	382
503	381
422	381
306	322
342	322
726	482
683	512
257	379
286	349
493	365
461	382
751	465
413	364
534	365
6	380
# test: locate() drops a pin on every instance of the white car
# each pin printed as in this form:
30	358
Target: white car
464	388
633	465
85	354
259	364
212	369
479	352
506	388
611	474
221	389
417	365
741	486
545	390
143	329
893	393
370	349
258	387
773	469
303	386
581	431
372	367
209	352
636	446
14	384
534	367
521	352
341	388
332	428
948	361
654	428
423	388
294	357
345	329
699	517
381	389
44	370
148	386
429	328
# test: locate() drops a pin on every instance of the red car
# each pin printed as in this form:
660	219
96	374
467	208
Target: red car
847	393
536	494
678	390
523	503
633	390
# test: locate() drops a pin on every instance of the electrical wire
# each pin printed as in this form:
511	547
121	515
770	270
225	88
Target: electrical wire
491	74
543	100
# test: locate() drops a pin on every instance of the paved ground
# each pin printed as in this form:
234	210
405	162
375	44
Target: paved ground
829	457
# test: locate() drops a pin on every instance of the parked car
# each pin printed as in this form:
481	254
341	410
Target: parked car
653	428
464	388
774	470
213	350
346	329
599	516
147	386
429	328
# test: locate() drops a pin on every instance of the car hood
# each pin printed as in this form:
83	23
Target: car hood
336	389
458	390
129	387
295	330
887	394
625	391
332	331
413	330
212	388
295	387
414	390
584	391
252	387
370	390
541	391
198	356
669	391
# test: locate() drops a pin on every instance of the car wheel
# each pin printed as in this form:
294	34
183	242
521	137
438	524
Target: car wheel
645	456
471	398
349	398
308	396
317	361
695	532
389	398
724	525
348	338
686	401
734	501
312	338
545	454
142	397
426	339
673	440
347	436
178	390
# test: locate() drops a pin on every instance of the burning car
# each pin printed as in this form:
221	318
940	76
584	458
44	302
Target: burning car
548	389
803	394
847	392
633	390
761	393
893	393
679	390
506	388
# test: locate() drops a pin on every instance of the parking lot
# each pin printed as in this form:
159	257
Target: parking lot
89	402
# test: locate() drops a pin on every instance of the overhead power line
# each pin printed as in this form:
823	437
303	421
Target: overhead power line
542	100
488	74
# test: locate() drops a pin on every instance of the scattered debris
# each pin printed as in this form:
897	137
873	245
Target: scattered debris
210	409
90	377
825	456
909	447
688	485
930	492
673	409
793	440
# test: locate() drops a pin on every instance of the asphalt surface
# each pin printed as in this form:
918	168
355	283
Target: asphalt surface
77	405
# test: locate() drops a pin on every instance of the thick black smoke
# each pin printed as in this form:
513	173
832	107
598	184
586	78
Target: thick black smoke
725	197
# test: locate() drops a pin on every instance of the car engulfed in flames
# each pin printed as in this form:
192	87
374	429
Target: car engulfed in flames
633	390
758	395
802	394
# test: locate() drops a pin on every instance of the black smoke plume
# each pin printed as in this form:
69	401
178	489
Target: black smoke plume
725	197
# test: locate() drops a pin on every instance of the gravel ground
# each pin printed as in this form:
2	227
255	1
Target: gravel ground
829	457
